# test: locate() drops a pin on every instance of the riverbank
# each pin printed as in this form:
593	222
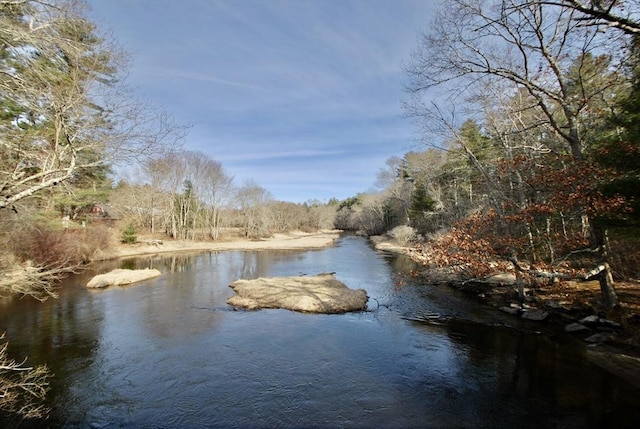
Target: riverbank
612	340
295	240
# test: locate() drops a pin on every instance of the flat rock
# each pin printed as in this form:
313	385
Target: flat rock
601	337
308	294
575	327
501	278
610	324
121	277
555	305
510	310
589	320
537	315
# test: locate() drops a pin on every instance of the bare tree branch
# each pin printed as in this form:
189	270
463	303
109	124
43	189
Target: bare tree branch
602	12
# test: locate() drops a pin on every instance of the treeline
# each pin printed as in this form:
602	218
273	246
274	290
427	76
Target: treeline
189	196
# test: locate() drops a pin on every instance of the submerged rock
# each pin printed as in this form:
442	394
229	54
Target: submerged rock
121	277
309	294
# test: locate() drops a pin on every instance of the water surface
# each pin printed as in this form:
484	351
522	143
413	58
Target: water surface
169	352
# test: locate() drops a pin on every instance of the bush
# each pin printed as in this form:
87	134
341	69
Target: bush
403	234
48	247
91	239
129	235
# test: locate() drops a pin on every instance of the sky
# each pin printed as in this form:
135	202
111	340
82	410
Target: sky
302	97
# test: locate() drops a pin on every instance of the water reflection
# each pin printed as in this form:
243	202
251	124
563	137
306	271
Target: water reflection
169	352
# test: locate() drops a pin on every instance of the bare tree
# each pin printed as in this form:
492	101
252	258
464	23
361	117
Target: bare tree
321	216
213	188
620	14
252	201
530	44
190	191
168	173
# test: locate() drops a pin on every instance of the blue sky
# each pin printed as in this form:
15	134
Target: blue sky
301	96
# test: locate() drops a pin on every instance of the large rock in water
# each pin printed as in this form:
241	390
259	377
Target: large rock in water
121	277
310	294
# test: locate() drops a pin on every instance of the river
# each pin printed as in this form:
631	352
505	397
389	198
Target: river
170	353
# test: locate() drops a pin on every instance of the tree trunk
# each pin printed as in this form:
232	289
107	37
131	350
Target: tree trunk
519	278
607	289
585	226
609	296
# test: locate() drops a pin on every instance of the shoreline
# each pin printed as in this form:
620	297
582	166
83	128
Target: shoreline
295	240
617	351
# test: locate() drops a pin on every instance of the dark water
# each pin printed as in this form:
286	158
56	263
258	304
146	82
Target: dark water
169	353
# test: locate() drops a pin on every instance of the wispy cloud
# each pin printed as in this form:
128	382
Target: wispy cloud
302	96
197	76
268	155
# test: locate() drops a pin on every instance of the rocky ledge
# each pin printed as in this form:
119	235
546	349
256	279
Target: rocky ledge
309	294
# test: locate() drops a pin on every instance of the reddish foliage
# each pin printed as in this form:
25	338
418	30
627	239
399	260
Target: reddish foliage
544	223
58	249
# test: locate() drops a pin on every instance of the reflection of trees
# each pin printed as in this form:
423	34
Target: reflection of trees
249	268
402	264
172	263
261	263
547	371
193	297
56	332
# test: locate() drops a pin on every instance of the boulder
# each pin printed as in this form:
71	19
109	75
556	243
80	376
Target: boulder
121	277
308	294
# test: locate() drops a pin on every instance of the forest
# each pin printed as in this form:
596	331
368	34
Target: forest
528	114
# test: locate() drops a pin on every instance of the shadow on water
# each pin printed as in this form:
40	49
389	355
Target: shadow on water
169	352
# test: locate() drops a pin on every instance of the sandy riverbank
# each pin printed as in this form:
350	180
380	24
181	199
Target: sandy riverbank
289	241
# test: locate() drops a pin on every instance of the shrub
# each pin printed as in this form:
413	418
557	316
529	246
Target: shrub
129	235
46	247
91	239
403	234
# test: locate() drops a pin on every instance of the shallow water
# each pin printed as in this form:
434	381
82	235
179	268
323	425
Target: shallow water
169	352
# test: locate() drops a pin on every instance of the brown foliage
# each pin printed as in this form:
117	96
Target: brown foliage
470	255
625	257
544	224
62	249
